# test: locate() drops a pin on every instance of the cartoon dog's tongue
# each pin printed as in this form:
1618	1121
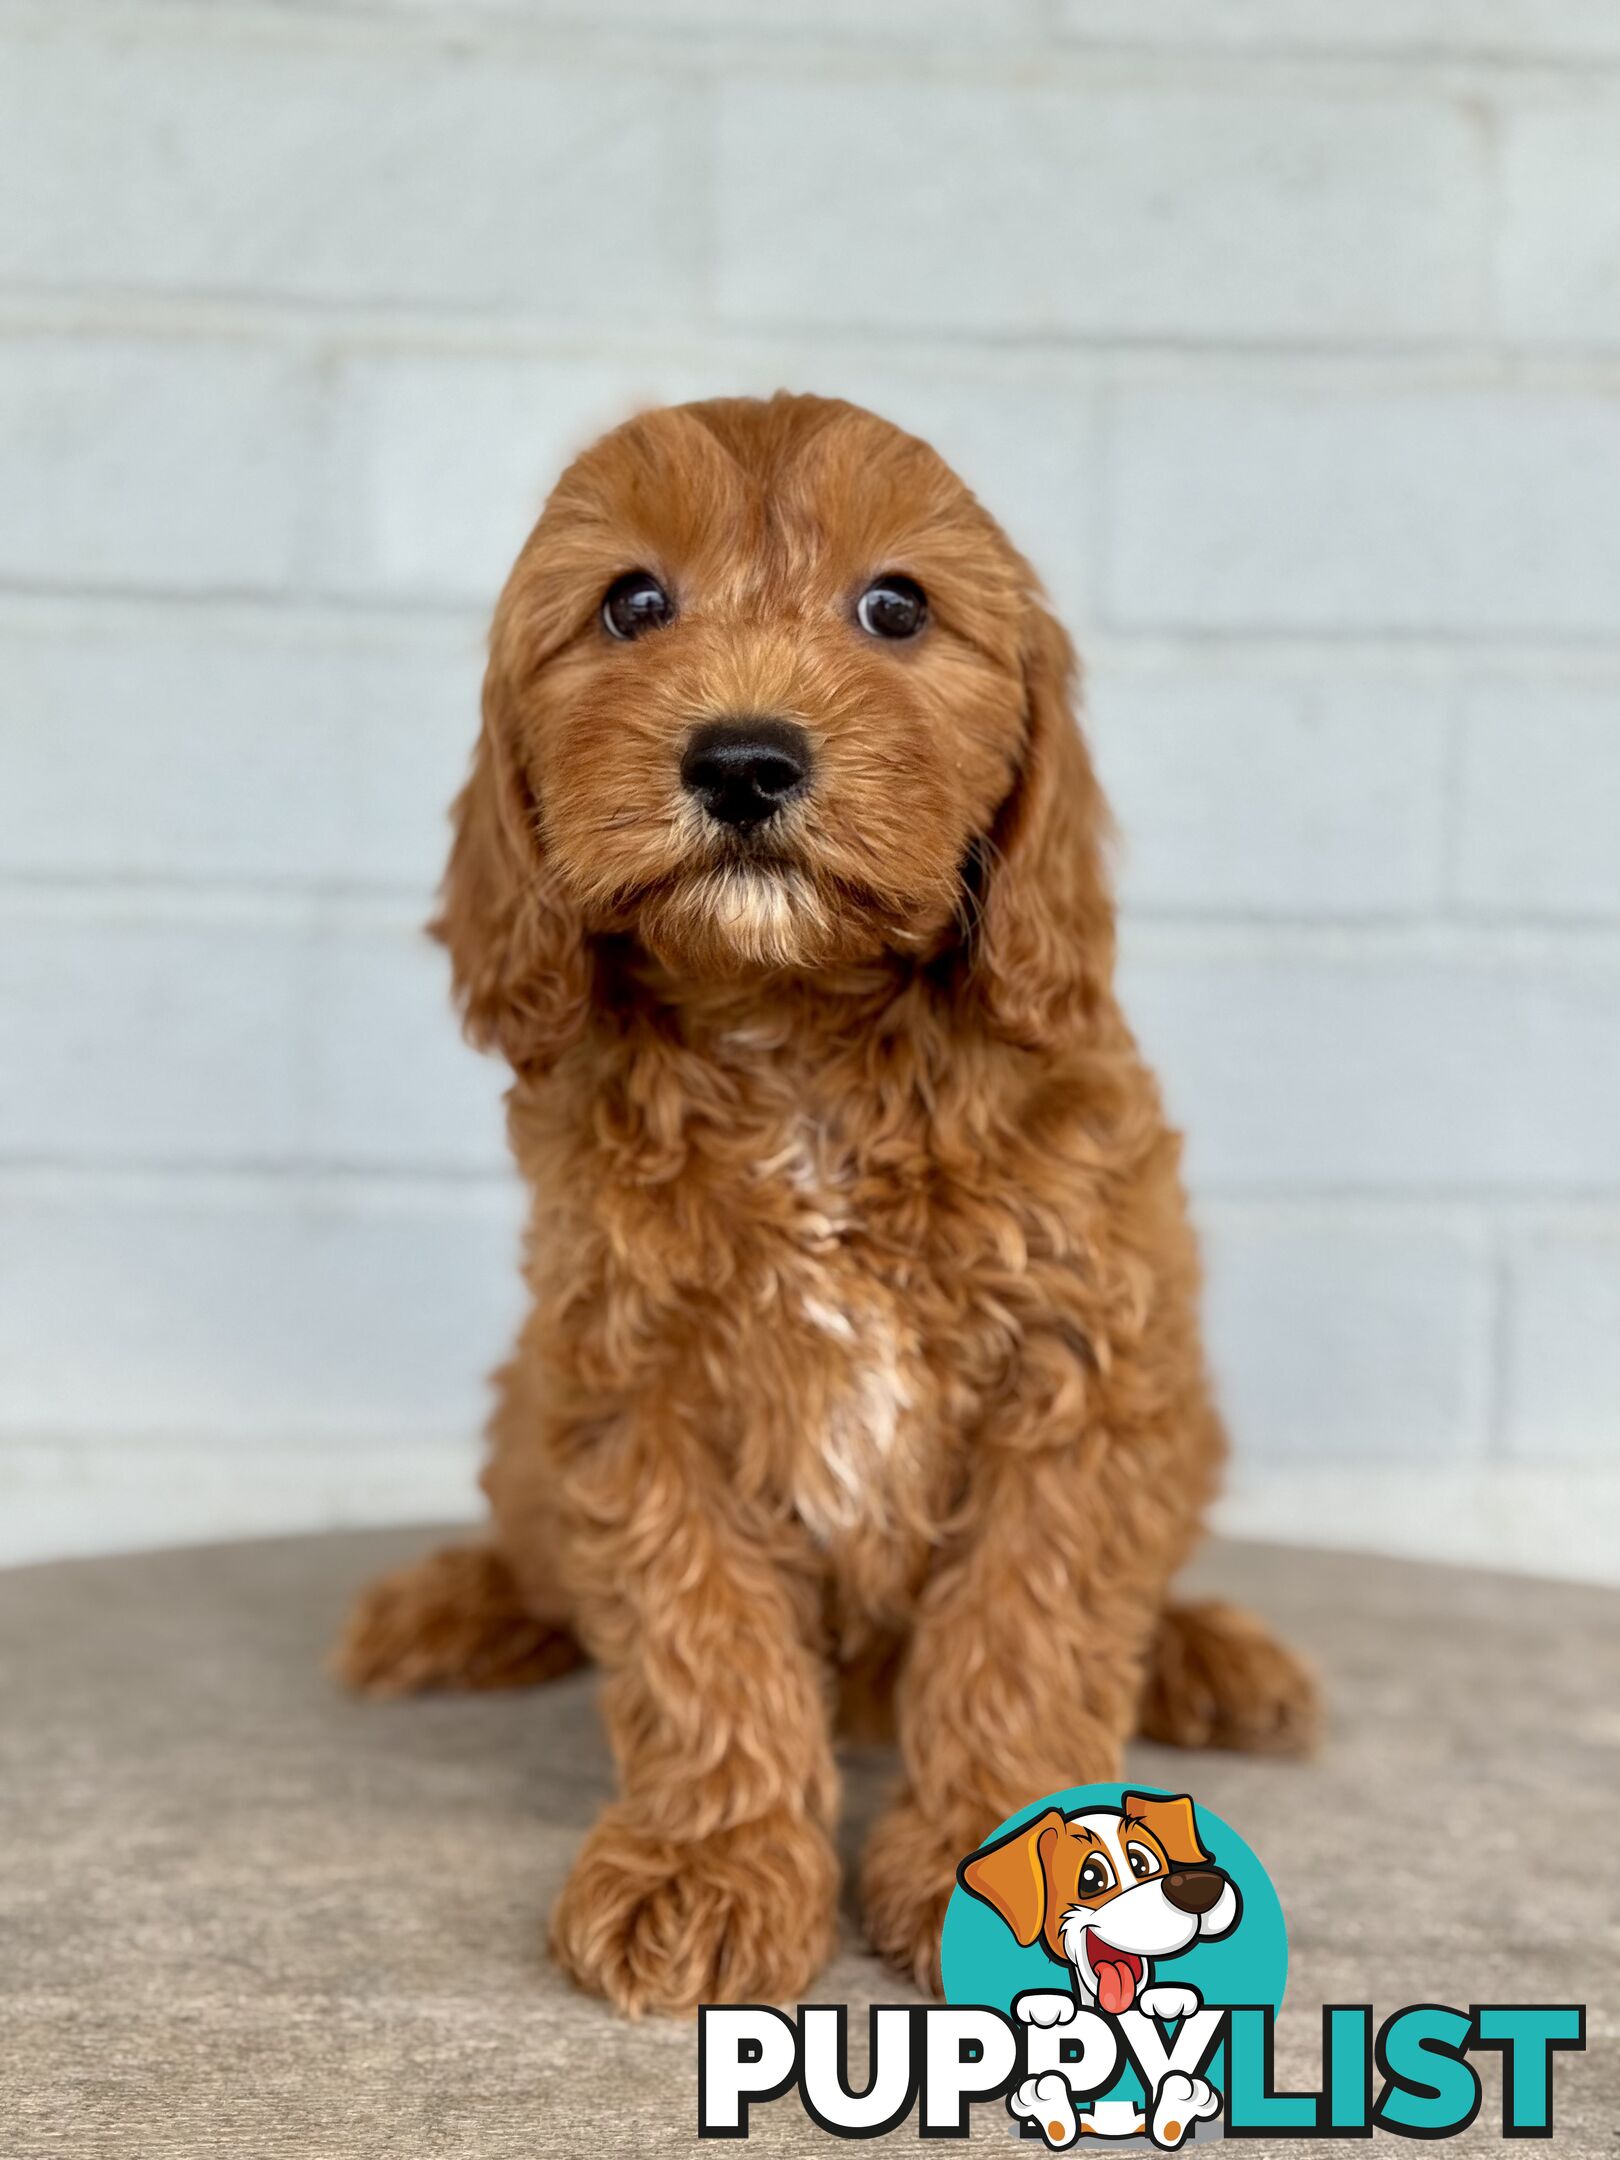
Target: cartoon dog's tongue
1116	1977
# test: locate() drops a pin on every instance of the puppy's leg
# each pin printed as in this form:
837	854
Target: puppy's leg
452	1620
1025	1667
713	1877
1218	1678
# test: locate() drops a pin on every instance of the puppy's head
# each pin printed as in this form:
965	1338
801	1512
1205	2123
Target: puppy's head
769	690
1107	1890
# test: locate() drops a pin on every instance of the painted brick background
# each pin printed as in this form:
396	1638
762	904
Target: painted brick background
1285	335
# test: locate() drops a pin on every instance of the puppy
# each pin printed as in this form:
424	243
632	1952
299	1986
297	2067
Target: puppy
863	1355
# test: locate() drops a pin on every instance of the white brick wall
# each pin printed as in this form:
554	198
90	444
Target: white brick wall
137	463
217	746
228	1312
1520	31
1286	338
1197	758
1401	1299
1426	1063
1365	506
337	173
1039	212
1538	806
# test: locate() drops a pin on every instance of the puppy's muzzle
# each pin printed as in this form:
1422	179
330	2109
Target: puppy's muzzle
744	771
1194	1890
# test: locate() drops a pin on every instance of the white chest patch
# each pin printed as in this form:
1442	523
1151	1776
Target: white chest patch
848	1476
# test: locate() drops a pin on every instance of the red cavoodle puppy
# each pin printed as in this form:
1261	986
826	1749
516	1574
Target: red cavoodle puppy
864	1358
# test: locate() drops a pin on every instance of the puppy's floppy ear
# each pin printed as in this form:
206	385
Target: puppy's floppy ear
1174	1823
1010	1876
1044	951
519	961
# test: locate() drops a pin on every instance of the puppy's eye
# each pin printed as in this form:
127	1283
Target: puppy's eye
634	603
1143	1863
1096	1876
892	607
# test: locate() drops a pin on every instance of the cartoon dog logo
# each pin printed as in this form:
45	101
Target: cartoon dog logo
1110	1893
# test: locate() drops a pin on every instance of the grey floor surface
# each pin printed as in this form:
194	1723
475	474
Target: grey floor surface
242	1915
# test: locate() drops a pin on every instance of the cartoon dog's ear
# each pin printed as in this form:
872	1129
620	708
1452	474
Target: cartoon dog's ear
1044	944
1010	1876
1173	1823
519	962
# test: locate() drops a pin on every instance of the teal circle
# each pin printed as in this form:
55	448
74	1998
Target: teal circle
982	1962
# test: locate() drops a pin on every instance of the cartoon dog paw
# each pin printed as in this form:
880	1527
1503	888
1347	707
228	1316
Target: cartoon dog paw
1167	2001
1180	2102
1046	2102
1045	2006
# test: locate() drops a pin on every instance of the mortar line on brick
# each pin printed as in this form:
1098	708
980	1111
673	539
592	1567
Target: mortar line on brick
399	328
1210	938
356	910
302	1176
1396	642
362	619
1509	63
66	883
569	38
1499	67
289	596
1454	1207
281	1188
362	1432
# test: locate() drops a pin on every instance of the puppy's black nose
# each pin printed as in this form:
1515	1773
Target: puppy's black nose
743	771
1194	1890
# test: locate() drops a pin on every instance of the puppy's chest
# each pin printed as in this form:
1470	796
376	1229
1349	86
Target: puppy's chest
780	1252
839	1402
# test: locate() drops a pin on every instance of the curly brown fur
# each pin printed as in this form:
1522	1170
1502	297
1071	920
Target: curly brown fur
864	1331
1218	1679
1215	1677
453	1620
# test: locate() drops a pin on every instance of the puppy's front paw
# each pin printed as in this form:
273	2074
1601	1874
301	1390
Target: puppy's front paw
907	1876
745	1915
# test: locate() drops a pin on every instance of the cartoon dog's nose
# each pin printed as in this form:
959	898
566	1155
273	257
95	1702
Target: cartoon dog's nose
1194	1890
743	771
